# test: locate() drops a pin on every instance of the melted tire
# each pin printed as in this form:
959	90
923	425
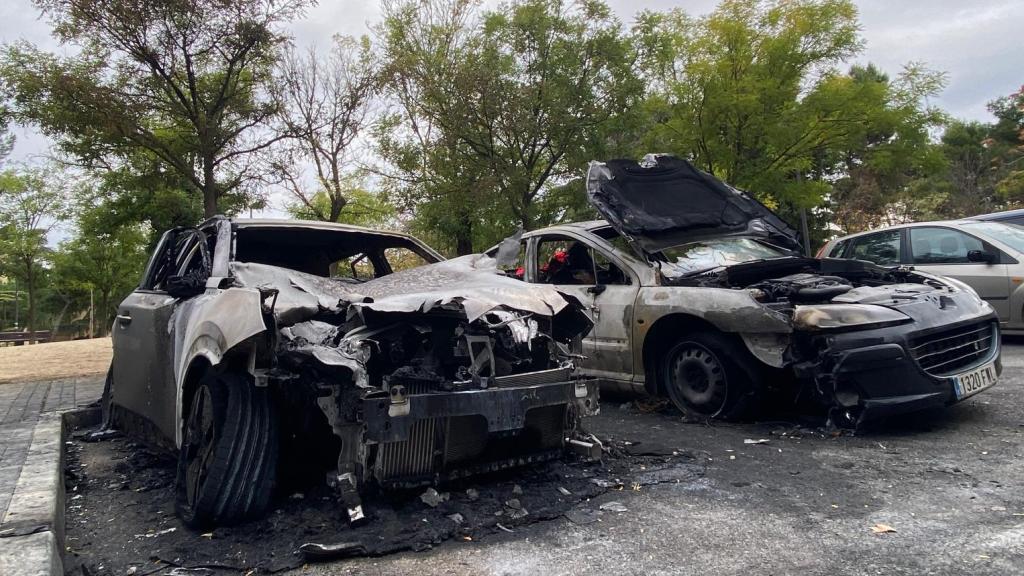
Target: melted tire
227	465
737	370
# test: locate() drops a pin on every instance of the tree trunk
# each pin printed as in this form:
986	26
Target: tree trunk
209	189
337	205
30	288
464	236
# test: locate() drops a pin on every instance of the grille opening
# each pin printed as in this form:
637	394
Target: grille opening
944	353
445	445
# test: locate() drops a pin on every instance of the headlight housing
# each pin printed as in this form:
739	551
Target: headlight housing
838	316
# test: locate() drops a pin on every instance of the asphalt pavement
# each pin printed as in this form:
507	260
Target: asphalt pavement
935	493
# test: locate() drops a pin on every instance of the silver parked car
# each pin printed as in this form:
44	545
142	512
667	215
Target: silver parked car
699	292
986	255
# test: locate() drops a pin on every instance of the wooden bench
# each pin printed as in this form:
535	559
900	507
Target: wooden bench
19	338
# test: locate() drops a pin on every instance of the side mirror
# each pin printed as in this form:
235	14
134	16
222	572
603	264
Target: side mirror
982	256
597	289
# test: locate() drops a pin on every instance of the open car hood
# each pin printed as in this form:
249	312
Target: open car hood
663	201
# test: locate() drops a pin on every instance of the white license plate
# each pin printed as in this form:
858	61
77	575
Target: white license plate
970	383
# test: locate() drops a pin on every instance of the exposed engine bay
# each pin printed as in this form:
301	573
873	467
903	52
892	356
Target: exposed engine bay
786	282
422	375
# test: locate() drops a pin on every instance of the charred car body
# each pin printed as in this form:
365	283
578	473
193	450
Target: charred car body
698	292
257	348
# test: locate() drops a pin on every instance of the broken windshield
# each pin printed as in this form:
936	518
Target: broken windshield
704	255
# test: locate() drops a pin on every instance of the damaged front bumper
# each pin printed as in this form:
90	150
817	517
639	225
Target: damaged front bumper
870	374
423	438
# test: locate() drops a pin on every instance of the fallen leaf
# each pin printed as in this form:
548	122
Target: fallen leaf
208	535
758	441
882	529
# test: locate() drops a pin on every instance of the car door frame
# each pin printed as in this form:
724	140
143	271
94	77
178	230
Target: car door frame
607	345
143	362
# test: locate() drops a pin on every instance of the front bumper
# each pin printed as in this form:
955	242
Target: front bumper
422	438
870	374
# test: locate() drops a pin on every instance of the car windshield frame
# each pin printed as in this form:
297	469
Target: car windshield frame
749	250
1011	235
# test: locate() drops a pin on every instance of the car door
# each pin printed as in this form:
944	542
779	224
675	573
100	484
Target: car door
944	251
607	291
143	338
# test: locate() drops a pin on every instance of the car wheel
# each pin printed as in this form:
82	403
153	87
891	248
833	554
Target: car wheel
708	375
227	464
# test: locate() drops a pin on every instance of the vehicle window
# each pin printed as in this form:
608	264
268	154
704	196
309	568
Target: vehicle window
518	268
357	267
880	248
707	254
942	245
184	255
1009	234
562	260
607	272
402	259
837	250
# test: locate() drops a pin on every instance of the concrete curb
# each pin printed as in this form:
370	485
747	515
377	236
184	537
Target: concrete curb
32	530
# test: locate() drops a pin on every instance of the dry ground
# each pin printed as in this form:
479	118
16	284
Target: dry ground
54	360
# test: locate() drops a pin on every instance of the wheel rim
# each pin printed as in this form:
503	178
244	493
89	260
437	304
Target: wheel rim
699	378
199	443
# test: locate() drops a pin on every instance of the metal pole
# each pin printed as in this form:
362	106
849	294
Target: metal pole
17	297
91	329
803	220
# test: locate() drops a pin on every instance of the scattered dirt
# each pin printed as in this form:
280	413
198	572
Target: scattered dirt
120	511
53	360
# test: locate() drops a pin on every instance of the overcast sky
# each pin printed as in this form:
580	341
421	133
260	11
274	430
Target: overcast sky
978	43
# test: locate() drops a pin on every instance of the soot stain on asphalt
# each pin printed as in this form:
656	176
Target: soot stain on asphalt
120	511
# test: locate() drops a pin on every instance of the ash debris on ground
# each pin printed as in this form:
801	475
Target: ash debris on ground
120	511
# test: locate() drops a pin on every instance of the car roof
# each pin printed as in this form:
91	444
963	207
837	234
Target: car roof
952	223
309	224
319	225
1004	215
587	225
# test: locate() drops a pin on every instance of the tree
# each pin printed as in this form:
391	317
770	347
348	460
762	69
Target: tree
879	144
1006	142
362	207
727	89
98	263
498	107
32	203
428	169
183	81
326	104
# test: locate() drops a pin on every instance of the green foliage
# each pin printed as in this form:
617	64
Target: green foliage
101	264
32	202
498	107
361	207
181	81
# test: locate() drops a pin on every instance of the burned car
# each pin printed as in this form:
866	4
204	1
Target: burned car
698	292
257	349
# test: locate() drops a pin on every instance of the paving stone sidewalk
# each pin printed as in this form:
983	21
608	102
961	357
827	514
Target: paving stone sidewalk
21	408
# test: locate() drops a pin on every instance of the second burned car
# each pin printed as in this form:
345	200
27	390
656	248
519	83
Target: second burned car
699	293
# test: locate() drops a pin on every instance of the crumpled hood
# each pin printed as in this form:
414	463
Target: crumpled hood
472	283
663	201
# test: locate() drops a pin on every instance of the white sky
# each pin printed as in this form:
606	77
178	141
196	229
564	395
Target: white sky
978	43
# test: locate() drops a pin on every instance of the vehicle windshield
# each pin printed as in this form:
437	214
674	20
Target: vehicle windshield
1010	234
707	254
